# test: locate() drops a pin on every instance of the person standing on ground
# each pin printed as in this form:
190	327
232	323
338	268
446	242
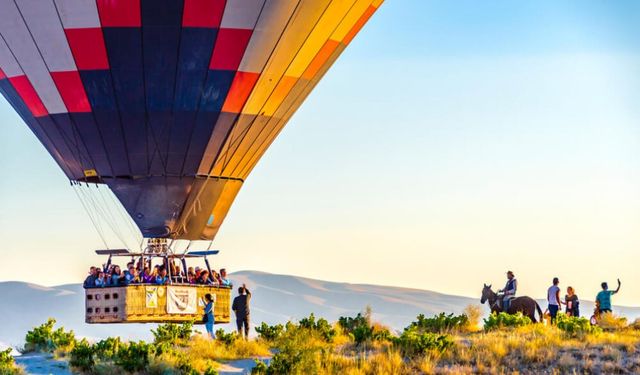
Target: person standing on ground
553	298
604	298
572	302
208	313
241	308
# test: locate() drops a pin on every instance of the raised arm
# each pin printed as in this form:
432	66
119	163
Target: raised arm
618	289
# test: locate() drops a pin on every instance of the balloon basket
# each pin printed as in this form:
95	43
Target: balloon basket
148	303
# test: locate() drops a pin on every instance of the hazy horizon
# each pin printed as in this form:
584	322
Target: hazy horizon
451	142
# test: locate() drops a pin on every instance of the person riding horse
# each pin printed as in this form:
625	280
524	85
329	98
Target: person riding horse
524	304
509	291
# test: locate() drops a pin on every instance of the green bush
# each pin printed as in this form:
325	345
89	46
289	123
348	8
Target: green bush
301	348
174	334
270	333
440	323
45	339
576	326
83	356
502	320
8	364
321	326
412	342
362	330
134	356
107	349
226	338
260	368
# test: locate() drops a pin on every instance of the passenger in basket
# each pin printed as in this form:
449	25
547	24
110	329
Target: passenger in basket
131	276
147	278
162	278
90	281
100	281
117	278
215	278
178	276
203	279
223	278
191	276
208	313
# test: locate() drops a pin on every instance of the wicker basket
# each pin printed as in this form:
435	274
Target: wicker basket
149	304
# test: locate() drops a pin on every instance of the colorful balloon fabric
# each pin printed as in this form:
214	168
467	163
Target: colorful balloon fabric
171	103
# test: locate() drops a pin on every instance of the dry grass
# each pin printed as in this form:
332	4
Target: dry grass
528	350
474	314
612	322
200	347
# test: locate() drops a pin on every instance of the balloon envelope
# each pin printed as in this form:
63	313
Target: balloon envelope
170	103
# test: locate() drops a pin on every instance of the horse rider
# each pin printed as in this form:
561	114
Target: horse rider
509	291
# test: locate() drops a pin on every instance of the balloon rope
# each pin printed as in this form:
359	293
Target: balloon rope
109	215
105	217
95	225
135	233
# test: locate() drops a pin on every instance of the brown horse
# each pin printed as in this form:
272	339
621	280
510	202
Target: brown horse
525	305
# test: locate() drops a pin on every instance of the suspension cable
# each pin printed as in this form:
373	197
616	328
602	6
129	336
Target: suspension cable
95	224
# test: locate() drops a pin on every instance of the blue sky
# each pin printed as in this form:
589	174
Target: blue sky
453	140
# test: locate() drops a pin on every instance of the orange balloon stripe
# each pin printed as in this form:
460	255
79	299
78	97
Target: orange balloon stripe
356	28
322	57
240	90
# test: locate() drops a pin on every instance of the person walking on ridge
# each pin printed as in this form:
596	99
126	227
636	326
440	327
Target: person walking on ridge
509	291
240	307
604	297
553	298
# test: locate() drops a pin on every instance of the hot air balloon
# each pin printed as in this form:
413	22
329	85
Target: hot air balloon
169	103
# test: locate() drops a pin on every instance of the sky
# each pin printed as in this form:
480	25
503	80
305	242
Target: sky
451	142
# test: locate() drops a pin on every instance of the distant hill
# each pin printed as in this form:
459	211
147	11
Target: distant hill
276	299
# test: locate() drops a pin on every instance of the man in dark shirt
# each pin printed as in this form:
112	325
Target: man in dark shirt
90	281
241	307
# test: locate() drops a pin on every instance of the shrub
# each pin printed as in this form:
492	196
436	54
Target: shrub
107	349
260	367
575	326
174	334
301	348
474	314
8	364
270	333
83	356
502	320
412	342
226	338
133	356
440	323
611	322
321	326
362	330
44	338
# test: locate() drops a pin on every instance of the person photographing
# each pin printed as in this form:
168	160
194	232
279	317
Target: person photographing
604	297
240	307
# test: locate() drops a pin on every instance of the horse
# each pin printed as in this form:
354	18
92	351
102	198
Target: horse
525	305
